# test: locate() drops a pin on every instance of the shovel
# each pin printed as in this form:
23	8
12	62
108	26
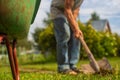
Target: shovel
94	66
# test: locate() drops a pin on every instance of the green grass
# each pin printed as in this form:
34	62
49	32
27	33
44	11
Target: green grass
48	71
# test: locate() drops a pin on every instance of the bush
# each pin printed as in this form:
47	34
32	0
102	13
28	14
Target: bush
117	37
100	43
45	40
35	59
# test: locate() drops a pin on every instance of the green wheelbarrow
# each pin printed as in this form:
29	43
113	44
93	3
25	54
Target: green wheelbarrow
15	19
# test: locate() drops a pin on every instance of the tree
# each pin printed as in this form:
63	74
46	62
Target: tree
36	36
45	37
47	20
94	16
46	42
24	43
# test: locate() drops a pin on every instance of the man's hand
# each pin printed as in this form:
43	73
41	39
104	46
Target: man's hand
78	33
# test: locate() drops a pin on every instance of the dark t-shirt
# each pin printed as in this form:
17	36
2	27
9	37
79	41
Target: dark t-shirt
57	7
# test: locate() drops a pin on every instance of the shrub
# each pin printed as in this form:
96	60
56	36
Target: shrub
117	37
100	43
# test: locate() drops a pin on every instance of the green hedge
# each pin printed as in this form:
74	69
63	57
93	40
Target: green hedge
100	43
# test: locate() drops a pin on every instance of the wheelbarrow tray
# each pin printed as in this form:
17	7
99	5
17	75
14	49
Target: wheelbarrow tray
16	17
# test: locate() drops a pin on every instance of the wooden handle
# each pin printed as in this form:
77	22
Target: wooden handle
90	55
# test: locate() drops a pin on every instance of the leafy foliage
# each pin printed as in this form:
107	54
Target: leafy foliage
45	39
117	37
47	20
100	43
95	16
24	43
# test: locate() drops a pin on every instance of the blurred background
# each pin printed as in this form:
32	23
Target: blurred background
99	21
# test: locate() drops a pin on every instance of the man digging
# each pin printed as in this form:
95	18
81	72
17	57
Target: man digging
64	14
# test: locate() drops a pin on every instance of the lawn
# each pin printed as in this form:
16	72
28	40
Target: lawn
48	71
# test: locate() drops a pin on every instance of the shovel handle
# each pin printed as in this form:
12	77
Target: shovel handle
90	55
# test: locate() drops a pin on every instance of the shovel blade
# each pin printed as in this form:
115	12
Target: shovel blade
103	64
87	69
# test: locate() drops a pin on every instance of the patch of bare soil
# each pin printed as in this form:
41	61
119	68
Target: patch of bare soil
31	70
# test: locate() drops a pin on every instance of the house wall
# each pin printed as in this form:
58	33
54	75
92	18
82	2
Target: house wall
106	29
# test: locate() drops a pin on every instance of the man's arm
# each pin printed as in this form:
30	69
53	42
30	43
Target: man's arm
76	13
71	18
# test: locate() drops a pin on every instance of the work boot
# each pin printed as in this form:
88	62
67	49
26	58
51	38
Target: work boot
76	70
68	71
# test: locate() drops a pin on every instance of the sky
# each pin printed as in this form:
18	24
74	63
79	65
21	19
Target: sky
106	9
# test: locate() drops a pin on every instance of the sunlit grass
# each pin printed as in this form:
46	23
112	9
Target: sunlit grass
48	71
